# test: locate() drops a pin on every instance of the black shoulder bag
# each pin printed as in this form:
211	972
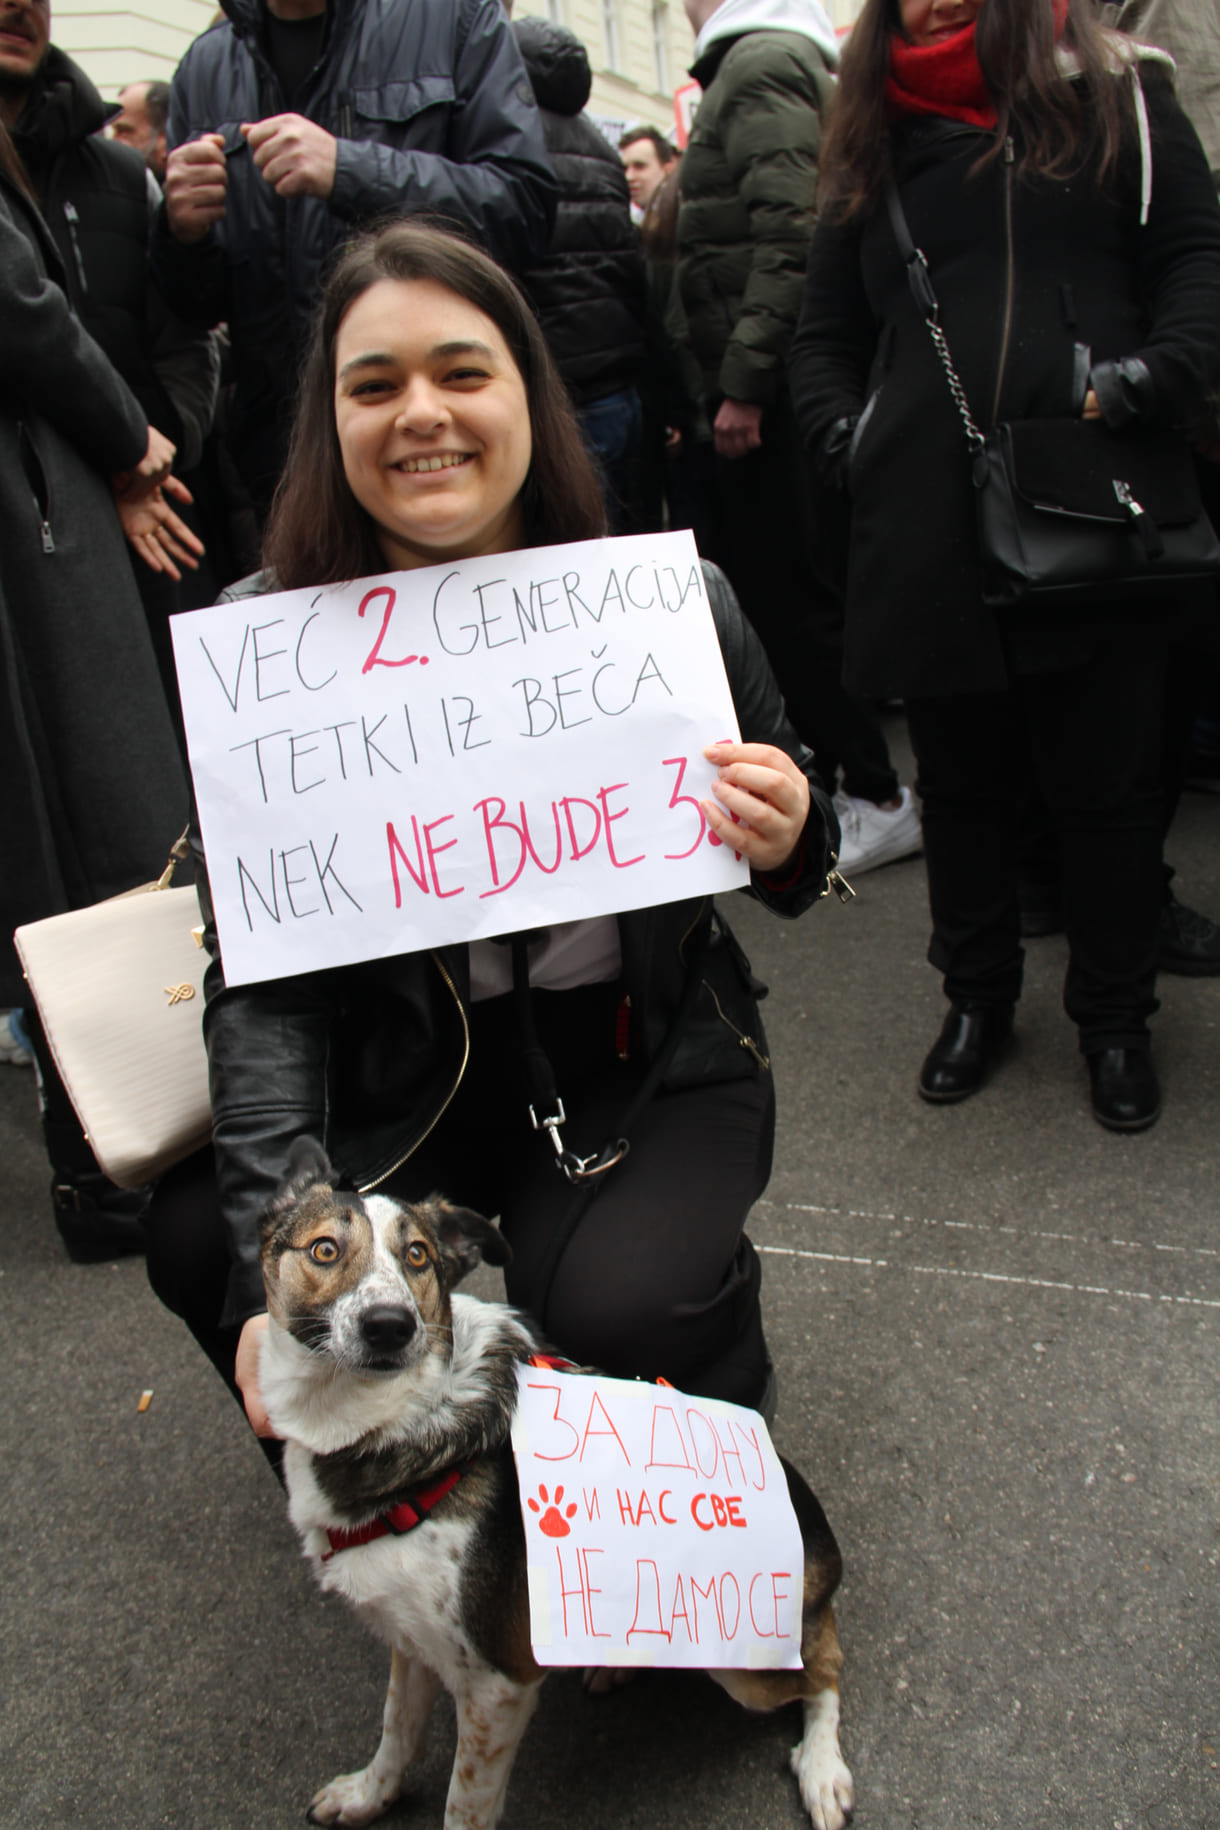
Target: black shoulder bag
1069	512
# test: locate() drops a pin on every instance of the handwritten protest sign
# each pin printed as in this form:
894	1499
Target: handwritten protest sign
454	753
658	1528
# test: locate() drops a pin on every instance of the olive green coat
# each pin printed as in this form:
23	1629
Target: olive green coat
747	211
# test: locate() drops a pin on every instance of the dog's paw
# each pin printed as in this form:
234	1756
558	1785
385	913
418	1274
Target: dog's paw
825	1781
352	1799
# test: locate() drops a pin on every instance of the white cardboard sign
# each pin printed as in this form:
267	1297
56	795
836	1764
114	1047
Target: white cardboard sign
450	754
658	1528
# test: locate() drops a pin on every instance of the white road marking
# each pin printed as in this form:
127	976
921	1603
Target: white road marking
974	1226
992	1277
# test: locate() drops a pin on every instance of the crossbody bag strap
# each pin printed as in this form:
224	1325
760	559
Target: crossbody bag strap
919	279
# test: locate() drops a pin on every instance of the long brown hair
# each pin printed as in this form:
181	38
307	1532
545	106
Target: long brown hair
318	533
1055	127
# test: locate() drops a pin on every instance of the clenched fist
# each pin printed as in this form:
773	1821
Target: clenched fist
196	186
295	156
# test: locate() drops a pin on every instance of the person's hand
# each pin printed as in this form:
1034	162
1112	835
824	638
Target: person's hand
151	471
161	538
245	1371
763	787
295	156
737	428
196	187
1092	406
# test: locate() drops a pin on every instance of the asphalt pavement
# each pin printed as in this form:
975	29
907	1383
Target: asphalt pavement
996	1328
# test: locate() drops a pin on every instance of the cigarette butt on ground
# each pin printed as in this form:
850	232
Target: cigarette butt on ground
146	1399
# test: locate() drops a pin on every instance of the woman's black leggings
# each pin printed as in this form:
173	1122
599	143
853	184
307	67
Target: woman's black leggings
658	1278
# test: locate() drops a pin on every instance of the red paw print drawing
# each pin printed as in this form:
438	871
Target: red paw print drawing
553	1522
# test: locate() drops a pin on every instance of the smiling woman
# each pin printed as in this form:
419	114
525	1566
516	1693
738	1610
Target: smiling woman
417	322
432	427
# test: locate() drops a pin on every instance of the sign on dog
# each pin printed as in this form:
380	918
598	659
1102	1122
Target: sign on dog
658	1528
450	754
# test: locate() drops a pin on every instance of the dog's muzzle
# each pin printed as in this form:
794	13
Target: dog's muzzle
386	1328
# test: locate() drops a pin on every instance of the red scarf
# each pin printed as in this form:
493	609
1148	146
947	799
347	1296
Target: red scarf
945	78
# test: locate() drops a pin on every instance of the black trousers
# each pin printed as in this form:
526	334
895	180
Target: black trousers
659	1277
1088	741
781	557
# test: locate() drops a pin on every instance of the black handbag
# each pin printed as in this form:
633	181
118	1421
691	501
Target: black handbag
1070	512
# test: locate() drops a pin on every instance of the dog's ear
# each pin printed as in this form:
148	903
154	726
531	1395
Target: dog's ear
308	1165
465	1237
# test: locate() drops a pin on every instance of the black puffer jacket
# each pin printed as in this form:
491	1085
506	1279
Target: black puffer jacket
433	115
290	1057
589	291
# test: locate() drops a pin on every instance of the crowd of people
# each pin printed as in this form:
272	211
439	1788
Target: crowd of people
721	338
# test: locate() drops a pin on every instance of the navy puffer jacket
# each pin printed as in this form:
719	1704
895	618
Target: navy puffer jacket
434	116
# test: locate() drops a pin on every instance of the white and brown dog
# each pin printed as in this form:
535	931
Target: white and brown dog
395	1400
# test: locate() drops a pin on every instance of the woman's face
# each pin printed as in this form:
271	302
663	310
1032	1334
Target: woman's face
433	423
927	22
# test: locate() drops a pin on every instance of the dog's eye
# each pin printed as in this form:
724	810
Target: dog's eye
417	1255
324	1251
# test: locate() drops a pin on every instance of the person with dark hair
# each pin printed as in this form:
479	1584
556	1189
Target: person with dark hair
648	159
94	791
433	427
293	124
141	123
588	289
1072	236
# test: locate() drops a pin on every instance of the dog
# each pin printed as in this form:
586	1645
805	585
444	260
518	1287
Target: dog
395	1400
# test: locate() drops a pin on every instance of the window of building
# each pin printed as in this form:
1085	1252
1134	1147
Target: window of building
610	31
660	37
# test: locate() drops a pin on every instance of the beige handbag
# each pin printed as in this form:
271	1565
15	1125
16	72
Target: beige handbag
119	990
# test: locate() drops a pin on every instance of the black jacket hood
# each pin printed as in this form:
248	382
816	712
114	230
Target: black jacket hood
63	107
557	63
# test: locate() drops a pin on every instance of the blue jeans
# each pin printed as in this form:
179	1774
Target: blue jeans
613	431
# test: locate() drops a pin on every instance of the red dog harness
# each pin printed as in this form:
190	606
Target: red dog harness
419	1502
400	1519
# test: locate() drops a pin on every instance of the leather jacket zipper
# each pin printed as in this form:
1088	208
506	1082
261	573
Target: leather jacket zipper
743	1041
367	1188
1009	281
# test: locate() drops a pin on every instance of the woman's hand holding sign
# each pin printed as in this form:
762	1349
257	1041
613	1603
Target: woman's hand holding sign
761	805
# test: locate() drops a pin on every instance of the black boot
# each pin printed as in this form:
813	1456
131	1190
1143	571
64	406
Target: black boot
971	1040
1123	1088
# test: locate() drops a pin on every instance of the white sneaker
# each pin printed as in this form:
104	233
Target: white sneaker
14	1043
875	835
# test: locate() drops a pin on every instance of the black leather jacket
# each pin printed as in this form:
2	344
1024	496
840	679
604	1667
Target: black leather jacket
367	1057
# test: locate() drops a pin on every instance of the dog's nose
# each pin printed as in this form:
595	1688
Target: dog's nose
387	1326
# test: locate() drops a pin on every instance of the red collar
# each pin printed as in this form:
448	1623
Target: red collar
398	1520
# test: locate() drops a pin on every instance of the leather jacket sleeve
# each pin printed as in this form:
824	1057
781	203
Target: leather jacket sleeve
268	1050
